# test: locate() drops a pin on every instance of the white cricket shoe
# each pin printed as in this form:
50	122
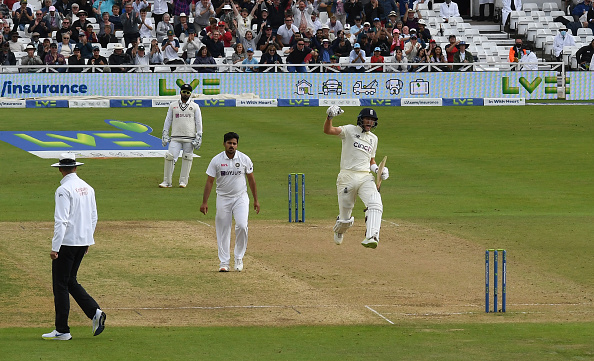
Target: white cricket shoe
55	335
165	185
338	238
183	185
224	269
370	242
238	265
99	322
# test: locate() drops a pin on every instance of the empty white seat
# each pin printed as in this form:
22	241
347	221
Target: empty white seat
523	22
583	32
529	7
514	17
556	13
548	7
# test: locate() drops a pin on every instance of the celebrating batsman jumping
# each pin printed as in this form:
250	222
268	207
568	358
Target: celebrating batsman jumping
357	163
185	120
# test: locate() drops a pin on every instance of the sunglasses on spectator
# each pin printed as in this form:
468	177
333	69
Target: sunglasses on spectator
185	92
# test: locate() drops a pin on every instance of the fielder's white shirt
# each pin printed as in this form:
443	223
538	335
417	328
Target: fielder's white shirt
230	173
184	119
358	147
76	213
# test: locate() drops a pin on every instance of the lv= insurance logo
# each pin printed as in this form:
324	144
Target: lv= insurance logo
130	140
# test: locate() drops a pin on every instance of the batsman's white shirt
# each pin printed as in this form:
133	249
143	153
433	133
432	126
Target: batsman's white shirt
75	215
358	147
232	202
184	119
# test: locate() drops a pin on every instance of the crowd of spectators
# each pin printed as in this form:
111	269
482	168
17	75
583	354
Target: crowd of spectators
69	35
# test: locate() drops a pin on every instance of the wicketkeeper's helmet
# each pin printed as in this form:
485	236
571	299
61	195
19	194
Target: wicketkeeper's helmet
367	113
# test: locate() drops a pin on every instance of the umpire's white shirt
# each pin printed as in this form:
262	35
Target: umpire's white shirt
230	173
358	147
76	213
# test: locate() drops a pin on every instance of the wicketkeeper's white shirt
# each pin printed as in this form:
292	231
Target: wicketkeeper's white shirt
75	214
358	147
185	120
230	173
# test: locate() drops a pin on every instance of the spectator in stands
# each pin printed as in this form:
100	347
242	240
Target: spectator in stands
365	44
421	57
448	10
377	58
115	17
142	60
203	58
250	60
14	44
46	5
373	10
285	33
55	58
382	39
262	20
249	41
530	60
392	18
146	25
516	52
366	29
63	7
87	6
508	7
66	47
204	11
326	34
354	10
64	30
299	54
80	25
423	33
75	59
139	5
23	15
97	59
341	46
225	34
302	11
163	27
180	6
590	19
412	19
562	39
40	25
44	49
73	14
451	48
214	44
90	34
431	47
101	7
463	56
35	41
118	57
436	56
155	55
397	43
159	9
6	56
357	29
85	47
130	23
5	12
107	37
239	54
6	31
267	39
54	18
270	56
325	52
30	59
584	56
334	26
412	48
581	9
389	7
348	35
244	19
491	4
357	57
169	47
276	13
191	46
181	28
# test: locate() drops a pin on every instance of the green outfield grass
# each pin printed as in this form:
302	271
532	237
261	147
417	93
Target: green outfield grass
518	178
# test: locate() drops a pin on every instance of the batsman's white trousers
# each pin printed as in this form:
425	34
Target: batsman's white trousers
227	209
351	184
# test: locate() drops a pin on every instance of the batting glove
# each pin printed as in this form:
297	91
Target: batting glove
165	139
385	173
333	111
197	142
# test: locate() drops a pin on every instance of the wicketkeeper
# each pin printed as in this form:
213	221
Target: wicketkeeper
357	166
185	120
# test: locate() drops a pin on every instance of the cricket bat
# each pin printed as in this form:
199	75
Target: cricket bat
380	168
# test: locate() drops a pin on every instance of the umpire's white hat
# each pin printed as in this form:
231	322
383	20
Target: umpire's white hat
67	160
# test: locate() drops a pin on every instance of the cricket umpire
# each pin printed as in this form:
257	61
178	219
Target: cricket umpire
185	120
230	168
75	220
357	163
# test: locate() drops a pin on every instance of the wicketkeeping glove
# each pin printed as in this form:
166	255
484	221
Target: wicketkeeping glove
197	142
333	111
165	138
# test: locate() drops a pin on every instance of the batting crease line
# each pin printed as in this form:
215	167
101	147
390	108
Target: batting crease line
395	224
217	307
379	314
203	223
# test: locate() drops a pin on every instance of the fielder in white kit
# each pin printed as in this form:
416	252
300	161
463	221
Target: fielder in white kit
185	120
230	168
357	163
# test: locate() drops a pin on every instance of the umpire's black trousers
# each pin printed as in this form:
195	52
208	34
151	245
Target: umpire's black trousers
64	270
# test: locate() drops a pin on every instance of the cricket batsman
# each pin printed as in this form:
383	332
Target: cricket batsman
185	121
357	165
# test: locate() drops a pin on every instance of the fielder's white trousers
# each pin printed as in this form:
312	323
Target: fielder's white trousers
227	209
351	184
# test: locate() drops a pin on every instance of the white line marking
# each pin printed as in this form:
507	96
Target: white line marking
203	223
392	223
379	314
